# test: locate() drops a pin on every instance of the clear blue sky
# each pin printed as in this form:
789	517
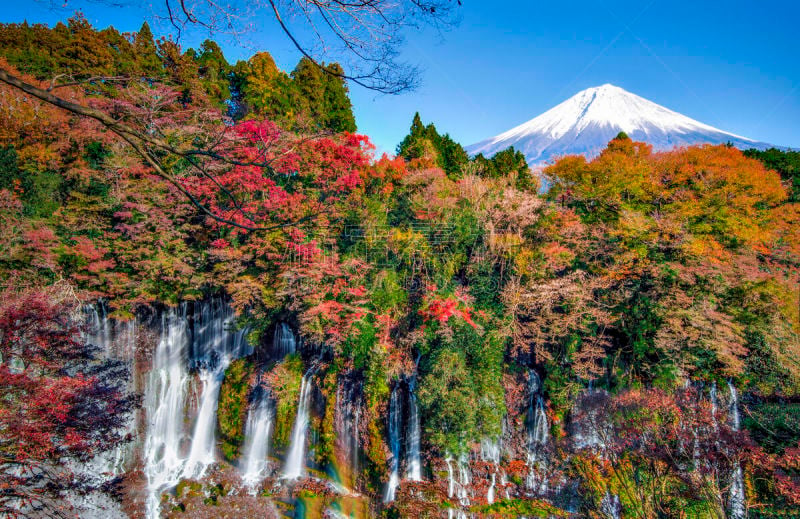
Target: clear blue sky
733	64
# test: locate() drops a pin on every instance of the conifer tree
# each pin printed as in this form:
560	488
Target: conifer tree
148	63
214	71
337	106
263	89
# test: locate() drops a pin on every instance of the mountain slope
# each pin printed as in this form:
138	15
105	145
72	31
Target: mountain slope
584	123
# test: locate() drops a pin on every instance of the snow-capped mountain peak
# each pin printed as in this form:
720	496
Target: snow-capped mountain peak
584	123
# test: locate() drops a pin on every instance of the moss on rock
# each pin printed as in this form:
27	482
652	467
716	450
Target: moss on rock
232	409
285	380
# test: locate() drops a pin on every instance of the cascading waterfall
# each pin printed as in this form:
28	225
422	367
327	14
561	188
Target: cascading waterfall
201	453
736	499
117	341
207	346
214	346
414	437
395	426
257	435
733	410
116	344
491	452
712	395
348	415
464	480
296	458
164	405
284	341
611	506
457	487
538	433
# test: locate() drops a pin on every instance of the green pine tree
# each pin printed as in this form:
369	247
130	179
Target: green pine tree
148	63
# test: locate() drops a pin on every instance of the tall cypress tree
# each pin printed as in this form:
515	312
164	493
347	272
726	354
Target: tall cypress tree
214	71
337	108
148	63
415	134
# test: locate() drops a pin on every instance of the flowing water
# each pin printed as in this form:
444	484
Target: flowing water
284	341
213	347
738	509
395	427
712	395
164	406
205	344
491	452
490	492
115	343
258	428
348	416
611	506
538	434
457	486
296	458
414	437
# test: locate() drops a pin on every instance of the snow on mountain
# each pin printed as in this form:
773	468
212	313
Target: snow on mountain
584	123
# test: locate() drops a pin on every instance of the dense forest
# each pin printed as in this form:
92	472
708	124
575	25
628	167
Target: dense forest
444	335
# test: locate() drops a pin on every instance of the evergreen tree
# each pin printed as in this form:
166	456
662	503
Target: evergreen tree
123	56
263	89
86	52
786	163
337	107
148	63
309	85
425	142
214	71
415	133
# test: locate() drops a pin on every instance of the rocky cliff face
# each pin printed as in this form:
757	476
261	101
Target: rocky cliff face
310	443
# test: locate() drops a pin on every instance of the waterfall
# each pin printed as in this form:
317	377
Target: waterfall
354	442
610	506
295	459
115	345
714	402
491	452
395	426
451	481
737	497
205	344
538	433
99	327
164	406
256	433
464	480
213	349
201	453
738	509
733	409
116	342
458	487
284	341
348	415
414	467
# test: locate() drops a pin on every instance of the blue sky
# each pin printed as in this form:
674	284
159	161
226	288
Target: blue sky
732	64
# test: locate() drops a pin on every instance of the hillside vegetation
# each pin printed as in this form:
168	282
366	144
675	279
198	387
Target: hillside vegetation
634	272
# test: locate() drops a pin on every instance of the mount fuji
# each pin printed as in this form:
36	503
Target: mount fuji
584	123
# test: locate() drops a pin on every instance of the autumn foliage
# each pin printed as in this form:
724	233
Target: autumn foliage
61	401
